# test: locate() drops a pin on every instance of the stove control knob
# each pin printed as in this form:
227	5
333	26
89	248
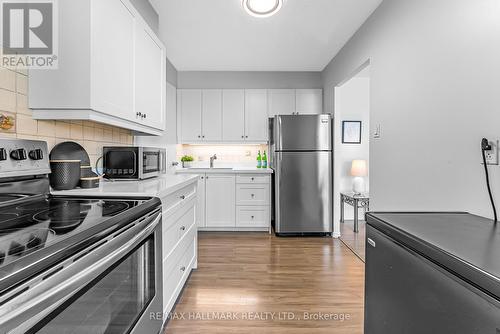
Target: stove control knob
18	154
36	154
3	154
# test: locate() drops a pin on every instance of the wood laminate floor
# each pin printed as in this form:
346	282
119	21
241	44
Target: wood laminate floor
258	283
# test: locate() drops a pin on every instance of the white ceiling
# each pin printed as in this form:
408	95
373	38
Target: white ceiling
218	35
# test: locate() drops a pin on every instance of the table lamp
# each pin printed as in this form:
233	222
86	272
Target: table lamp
359	170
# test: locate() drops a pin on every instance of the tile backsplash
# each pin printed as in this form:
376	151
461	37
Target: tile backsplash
14	105
226	154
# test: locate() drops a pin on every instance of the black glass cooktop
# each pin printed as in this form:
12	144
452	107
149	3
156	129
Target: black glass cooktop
34	225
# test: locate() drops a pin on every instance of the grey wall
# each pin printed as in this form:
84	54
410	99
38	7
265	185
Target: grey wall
148	13
435	78
249	80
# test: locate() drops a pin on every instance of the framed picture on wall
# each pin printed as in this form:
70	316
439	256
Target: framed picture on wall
351	132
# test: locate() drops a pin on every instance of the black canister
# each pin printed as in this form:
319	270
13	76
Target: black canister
65	174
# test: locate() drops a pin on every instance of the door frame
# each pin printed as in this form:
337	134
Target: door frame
338	145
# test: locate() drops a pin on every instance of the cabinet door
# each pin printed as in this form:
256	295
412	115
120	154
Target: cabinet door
150	78
233	114
200	205
256	119
220	201
309	101
281	102
190	115
212	115
112	58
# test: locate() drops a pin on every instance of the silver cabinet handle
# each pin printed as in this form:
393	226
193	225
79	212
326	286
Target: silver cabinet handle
253	195
253	217
371	242
183	268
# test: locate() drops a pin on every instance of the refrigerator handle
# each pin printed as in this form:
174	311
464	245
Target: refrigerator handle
277	139
277	187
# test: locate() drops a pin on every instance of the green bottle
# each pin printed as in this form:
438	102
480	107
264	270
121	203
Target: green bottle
259	160
264	160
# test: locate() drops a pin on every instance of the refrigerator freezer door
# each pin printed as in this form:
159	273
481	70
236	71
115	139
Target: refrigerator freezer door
303	192
303	133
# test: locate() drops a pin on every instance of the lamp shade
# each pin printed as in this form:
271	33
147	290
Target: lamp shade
359	168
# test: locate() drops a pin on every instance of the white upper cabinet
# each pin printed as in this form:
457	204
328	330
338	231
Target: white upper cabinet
309	101
233	115
239	115
150	78
112	53
281	102
108	73
200	114
256	120
211	115
295	101
189	102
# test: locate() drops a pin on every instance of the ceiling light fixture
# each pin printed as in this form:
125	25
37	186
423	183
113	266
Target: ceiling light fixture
262	8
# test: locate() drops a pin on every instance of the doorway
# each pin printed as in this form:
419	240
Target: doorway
352	156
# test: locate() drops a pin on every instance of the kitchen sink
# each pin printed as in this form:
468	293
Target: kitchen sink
213	168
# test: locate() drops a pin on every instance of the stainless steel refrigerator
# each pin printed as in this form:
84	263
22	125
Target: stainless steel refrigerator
301	155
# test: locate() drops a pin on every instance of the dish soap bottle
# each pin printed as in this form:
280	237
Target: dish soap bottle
259	160
264	160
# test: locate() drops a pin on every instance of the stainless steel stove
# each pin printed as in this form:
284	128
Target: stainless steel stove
99	256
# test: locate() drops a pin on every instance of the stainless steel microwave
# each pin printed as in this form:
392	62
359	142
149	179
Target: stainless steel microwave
133	163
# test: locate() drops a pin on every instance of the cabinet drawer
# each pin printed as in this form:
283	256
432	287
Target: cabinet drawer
176	226
252	216
178	197
252	179
176	265
252	194
170	283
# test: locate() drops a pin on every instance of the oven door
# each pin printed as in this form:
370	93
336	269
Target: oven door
114	288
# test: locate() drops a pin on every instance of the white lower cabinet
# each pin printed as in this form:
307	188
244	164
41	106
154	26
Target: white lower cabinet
252	216
200	207
219	200
179	242
236	202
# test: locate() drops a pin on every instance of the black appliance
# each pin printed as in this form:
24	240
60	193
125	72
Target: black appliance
74	265
432	273
133	163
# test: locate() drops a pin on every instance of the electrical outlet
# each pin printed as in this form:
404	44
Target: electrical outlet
492	155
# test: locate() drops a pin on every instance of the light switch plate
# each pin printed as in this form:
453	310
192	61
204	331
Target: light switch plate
378	131
492	155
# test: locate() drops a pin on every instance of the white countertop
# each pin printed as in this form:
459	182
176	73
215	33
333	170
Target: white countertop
224	170
156	187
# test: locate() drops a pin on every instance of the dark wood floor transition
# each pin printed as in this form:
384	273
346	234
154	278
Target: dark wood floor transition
257	283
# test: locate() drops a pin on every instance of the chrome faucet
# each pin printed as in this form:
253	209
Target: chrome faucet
214	157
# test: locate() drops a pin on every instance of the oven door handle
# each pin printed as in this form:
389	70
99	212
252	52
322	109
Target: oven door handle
30	307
